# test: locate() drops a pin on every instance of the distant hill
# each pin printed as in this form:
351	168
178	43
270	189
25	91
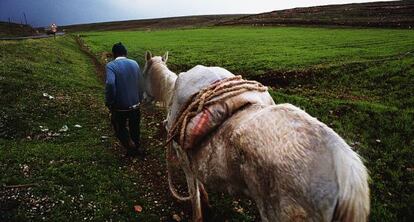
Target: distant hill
174	22
395	14
14	29
375	14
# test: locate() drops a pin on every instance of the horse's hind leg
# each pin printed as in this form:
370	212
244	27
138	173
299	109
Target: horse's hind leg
259	191
291	210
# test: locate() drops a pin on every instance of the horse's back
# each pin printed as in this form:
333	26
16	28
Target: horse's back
285	156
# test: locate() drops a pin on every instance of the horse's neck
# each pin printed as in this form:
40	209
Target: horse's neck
167	85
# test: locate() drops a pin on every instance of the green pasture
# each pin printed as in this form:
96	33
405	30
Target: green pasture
258	50
360	64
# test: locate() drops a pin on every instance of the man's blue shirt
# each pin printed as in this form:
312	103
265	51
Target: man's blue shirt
124	83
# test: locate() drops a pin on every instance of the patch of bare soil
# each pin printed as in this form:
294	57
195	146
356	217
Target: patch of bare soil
282	79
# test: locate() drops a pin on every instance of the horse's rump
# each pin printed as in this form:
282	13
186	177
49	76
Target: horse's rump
283	157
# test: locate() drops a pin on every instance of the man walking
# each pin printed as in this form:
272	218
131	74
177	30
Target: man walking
123	94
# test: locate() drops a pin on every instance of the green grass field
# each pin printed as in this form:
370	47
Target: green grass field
258	50
359	59
358	81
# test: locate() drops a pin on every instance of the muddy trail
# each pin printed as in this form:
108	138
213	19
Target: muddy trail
151	170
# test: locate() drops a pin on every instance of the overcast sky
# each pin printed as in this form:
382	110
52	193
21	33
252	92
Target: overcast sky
64	12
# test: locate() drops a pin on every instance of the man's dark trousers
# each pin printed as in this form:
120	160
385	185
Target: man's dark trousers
119	121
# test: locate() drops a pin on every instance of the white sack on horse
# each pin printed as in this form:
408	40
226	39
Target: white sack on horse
190	83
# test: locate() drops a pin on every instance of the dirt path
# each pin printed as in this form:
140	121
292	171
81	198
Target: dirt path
152	170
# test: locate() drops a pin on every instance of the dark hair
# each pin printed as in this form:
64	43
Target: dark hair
119	50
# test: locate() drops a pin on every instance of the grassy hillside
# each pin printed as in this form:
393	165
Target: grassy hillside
358	81
160	23
398	14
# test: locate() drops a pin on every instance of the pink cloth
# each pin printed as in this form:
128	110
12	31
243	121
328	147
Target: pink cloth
211	117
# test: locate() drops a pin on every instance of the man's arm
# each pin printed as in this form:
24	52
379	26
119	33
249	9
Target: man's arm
110	88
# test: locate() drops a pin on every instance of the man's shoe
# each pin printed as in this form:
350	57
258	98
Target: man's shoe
141	152
136	152
132	153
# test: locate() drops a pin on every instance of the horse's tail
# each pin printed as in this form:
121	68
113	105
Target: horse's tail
353	202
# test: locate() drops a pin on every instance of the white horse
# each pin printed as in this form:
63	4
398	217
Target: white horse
293	166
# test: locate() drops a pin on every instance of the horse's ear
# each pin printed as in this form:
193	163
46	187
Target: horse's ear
148	55
165	57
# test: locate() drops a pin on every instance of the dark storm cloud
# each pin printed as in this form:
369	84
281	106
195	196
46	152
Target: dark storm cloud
45	12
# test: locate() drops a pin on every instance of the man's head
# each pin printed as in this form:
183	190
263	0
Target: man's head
119	50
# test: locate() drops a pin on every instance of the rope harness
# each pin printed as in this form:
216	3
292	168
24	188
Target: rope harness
215	93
